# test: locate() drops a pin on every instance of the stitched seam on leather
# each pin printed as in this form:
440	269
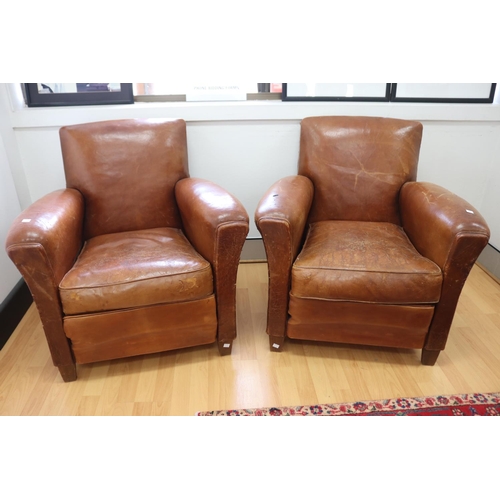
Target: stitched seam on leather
355	301
409	273
119	283
83	315
116	309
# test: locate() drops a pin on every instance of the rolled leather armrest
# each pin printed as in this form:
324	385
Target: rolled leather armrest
286	203
216	224
436	219
281	218
43	242
206	209
52	224
449	231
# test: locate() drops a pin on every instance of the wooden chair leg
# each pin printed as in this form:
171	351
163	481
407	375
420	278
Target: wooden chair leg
68	372
429	358
225	347
276	343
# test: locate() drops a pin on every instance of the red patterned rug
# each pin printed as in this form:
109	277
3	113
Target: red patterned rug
456	405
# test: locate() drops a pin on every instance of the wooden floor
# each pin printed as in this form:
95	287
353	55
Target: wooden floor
183	382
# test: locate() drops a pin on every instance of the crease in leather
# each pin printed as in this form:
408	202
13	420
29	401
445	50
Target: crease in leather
346	155
358	301
103	314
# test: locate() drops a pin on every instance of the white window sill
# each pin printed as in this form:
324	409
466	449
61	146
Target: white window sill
250	111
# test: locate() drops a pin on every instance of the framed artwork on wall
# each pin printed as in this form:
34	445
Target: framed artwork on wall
336	91
443	92
77	94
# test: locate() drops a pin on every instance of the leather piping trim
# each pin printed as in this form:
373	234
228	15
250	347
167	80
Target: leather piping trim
392	303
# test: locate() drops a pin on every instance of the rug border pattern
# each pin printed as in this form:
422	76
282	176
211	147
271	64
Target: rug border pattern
396	406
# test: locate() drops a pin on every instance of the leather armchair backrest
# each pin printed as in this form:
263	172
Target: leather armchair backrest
126	171
358	165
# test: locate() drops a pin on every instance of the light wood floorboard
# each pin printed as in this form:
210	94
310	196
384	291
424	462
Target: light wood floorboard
196	379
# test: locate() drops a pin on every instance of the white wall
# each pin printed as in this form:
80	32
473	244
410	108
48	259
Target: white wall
9	193
246	146
9	209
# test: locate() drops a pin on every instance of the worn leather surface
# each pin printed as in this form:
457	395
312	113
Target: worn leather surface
433	218
216	223
450	231
43	242
143	330
363	169
364	262
358	165
281	217
135	268
359	323
121	203
126	170
205	208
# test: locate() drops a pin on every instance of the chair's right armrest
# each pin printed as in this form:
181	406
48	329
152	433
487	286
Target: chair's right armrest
446	229
43	242
281	218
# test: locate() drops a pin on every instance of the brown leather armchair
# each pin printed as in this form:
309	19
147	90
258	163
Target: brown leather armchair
358	251
134	256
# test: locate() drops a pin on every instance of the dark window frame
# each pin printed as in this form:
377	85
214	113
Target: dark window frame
34	99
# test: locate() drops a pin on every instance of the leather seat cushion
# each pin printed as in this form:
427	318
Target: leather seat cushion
135	269
371	262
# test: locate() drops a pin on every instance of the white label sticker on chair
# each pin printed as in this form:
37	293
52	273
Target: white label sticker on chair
276	346
469	211
26	220
227	346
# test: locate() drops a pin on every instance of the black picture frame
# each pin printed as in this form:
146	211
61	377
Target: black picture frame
383	98
476	100
98	97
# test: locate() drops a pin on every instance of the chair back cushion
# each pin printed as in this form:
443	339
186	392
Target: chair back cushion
358	165
126	171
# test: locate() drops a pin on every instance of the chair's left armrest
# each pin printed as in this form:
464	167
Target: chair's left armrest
52	226
449	231
44	242
216	224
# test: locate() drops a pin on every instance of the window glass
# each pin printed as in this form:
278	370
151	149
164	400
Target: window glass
144	89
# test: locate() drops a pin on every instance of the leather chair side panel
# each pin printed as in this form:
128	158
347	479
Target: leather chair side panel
278	246
43	242
229	241
451	232
216	224
465	253
281	218
33	264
